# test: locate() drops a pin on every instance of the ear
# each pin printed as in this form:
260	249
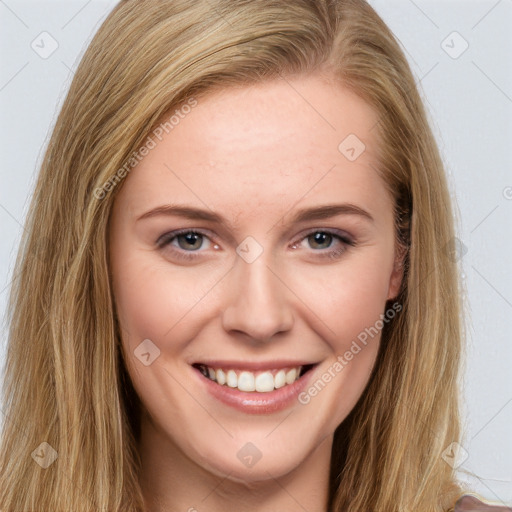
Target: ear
397	275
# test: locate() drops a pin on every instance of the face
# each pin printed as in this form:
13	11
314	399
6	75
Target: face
252	254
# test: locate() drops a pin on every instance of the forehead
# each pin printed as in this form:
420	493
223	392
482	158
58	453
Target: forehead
264	145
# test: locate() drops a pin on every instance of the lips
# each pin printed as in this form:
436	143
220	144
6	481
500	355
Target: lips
260	381
227	382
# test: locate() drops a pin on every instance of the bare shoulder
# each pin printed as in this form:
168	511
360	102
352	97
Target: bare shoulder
470	503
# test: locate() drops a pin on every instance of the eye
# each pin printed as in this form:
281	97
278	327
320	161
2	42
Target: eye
337	241
187	241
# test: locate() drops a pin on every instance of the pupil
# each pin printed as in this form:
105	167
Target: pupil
190	239
319	236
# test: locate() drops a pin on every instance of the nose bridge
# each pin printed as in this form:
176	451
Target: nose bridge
258	302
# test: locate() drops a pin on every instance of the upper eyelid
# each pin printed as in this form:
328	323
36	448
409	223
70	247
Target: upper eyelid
170	235
336	233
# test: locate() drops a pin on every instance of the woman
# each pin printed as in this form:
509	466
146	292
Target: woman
192	348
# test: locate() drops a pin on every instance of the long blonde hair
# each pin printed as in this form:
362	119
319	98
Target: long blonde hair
65	381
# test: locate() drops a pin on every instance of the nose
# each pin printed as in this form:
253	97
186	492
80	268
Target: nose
258	305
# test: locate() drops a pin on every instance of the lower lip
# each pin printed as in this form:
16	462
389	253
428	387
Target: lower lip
255	402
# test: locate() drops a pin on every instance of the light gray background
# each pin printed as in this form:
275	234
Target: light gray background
469	97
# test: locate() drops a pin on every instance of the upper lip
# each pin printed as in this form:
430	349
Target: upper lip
254	365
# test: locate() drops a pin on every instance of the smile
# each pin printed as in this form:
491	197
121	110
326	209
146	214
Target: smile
249	381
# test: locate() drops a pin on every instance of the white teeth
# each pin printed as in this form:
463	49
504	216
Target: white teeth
232	379
221	377
291	375
246	381
280	379
264	382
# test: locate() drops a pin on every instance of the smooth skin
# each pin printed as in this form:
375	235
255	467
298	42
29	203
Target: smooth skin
254	155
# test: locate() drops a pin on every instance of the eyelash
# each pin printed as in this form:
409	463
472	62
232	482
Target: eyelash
165	240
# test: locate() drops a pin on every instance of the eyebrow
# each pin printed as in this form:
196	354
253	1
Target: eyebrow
302	215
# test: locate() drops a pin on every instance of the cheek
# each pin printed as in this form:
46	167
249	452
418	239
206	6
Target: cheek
154	303
157	300
348	298
153	299
350	301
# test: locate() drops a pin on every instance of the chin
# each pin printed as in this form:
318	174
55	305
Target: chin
263	459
